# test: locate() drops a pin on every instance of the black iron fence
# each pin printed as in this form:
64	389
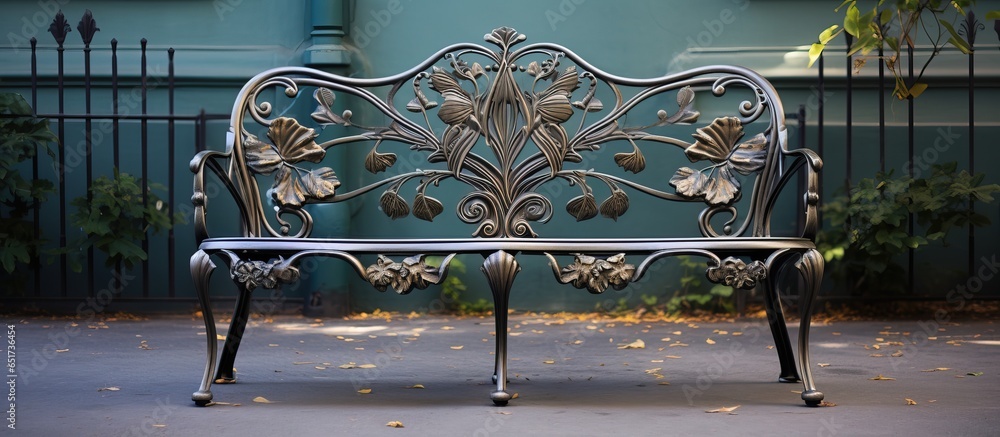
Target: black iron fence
127	130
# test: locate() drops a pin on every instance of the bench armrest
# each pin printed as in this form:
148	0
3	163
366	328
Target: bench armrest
813	164
199	197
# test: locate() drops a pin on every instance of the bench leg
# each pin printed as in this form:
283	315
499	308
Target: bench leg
241	315
811	269
201	272
776	320
500	269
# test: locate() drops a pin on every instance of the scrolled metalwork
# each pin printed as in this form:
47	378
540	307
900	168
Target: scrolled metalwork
267	274
516	102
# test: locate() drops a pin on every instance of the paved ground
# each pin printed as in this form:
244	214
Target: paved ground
135	377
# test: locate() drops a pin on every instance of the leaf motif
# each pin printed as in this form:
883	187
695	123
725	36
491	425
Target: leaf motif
715	141
633	162
551	141
583	207
685	101
321	183
458	142
295	142
616	205
533	69
443	82
378	162
457	107
426	208
689	182
287	190
393	205
261	157
722	187
323	113
750	156
554	107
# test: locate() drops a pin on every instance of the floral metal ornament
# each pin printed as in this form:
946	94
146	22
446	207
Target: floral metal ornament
292	144
267	274
717	143
734	272
412	272
596	274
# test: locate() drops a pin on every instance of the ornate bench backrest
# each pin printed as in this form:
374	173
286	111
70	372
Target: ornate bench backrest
506	109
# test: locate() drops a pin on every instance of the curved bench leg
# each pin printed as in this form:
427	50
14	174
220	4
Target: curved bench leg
811	269
500	269
776	320
201	272
234	336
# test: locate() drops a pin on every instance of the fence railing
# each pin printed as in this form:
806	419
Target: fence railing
130	105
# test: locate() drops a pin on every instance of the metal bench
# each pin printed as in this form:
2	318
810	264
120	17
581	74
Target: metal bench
504	116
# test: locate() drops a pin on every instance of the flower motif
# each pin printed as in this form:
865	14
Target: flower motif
458	105
412	272
265	274
734	272
717	143
597	274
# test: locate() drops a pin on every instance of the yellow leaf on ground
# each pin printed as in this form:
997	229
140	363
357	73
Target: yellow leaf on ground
365	391
67	350
447	328
458	348
347	366
320	367
638	344
910	401
109	389
676	332
395	424
272	345
514	396
366	366
937	369
882	378
663	383
709	341
723	410
549	362
896	354
651	371
416	386
823	364
299	363
678	344
220	337
261	400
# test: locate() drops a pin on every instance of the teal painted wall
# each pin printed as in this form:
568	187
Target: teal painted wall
222	43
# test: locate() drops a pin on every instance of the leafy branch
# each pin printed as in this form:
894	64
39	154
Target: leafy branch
886	29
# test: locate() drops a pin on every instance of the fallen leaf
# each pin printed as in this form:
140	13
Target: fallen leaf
663	383
709	341
261	400
67	350
653	371
975	373
365	391
347	366
676	333
514	334
447	328
770	347
320	367
109	389
638	344
665	339
723	410
395	424
299	363
272	345
514	396
458	348
678	344
548	362
416	386
896	354
366	366
159	425
882	378
220	337
827	404
910	401
655	361
937	369
505	413
823	364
